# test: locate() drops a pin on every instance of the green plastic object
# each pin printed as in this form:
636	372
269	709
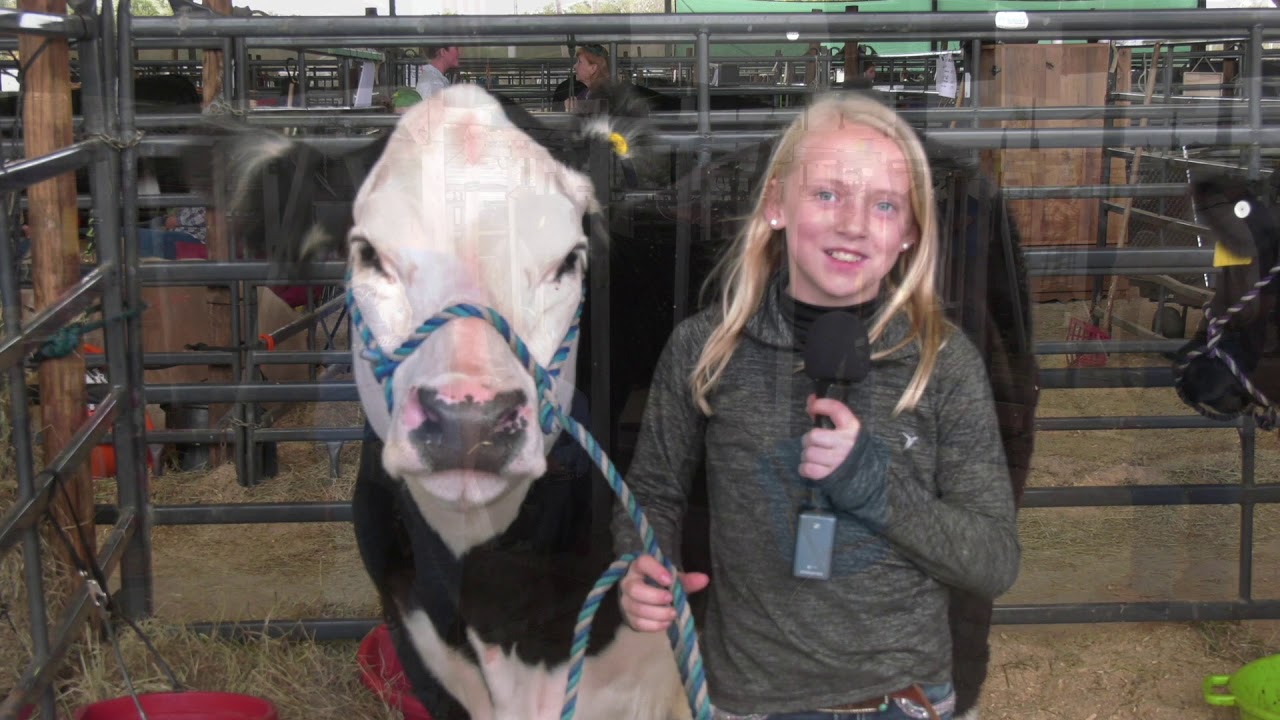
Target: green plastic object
404	97
1254	690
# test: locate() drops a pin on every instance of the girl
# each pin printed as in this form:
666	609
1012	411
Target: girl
913	470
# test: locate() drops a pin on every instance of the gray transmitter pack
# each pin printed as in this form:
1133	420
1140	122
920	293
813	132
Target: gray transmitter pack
815	540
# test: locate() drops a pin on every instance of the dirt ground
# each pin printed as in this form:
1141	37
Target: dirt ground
1082	672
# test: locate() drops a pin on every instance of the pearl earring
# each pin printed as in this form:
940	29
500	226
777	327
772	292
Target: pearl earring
906	246
773	222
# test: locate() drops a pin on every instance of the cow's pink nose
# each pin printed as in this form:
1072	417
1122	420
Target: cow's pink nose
470	434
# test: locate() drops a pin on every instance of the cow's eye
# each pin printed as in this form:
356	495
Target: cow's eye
368	256
571	263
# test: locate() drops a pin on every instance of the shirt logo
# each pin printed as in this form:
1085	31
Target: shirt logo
910	440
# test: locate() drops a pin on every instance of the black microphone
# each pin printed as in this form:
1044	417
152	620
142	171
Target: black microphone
837	354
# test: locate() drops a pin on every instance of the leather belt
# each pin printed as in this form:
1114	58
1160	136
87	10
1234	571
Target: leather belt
913	693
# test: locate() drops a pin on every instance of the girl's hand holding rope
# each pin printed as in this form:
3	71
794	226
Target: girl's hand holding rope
646	601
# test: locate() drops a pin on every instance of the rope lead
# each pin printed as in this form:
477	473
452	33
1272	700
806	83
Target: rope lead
682	633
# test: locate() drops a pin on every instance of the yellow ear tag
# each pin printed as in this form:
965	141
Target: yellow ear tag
1222	256
619	144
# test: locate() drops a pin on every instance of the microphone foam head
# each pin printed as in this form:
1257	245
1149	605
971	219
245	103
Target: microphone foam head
838	349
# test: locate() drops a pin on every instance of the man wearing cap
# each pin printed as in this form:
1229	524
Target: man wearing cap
440	60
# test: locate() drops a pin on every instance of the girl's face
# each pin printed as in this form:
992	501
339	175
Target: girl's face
845	205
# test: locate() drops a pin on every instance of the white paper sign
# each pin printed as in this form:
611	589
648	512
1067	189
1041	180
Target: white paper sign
364	91
946	79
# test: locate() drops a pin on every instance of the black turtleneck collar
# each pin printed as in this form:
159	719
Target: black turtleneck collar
801	315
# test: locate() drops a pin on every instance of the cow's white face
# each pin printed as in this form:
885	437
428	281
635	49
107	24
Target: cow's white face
463	207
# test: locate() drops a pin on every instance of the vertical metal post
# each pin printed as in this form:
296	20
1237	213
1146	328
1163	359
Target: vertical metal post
704	82
19	426
1166	71
240	62
248	468
1104	216
695	187
344	67
137	594
1254	85
975	53
228	71
302	79
703	188
602	419
1248	446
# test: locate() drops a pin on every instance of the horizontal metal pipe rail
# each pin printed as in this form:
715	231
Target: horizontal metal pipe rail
326	630
1036	497
71	27
1151	136
1108	346
1040	261
18	175
773	27
71	303
163	360
303	392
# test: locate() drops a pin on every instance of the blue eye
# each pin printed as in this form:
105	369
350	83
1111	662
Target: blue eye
886	206
825	195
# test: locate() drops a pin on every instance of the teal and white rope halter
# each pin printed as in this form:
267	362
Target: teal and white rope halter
682	633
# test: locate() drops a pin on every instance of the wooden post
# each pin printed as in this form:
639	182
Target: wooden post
217	239
46	117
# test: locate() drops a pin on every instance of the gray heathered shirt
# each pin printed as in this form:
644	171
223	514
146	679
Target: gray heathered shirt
923	501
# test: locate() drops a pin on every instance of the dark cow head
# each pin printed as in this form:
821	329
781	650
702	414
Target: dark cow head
1243	219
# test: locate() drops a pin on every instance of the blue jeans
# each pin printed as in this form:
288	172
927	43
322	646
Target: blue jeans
942	695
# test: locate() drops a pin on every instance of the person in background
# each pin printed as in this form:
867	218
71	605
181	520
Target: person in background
912	470
440	60
591	70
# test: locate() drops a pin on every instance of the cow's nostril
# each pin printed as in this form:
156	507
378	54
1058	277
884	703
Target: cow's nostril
510	420
467	434
429	401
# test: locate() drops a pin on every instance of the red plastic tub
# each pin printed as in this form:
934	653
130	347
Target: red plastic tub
182	706
381	672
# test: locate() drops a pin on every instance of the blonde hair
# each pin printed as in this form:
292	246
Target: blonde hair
759	251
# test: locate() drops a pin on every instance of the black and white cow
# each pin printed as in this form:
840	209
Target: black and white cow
1245	221
471	519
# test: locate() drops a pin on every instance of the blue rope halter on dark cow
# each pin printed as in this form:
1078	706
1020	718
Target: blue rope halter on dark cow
682	633
1266	415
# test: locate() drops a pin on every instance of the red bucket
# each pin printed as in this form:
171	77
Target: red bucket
182	706
381	672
